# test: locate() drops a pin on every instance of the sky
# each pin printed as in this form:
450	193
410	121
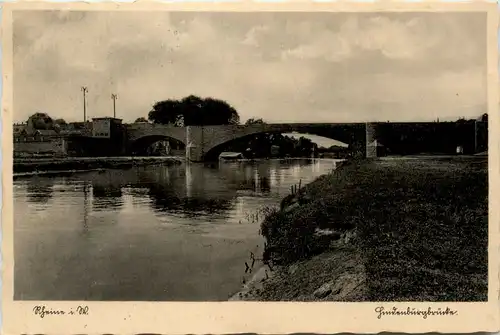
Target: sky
282	67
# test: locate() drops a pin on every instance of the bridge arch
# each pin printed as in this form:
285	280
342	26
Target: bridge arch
142	135
215	138
140	144
212	154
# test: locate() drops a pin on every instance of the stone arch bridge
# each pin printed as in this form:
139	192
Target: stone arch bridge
205	142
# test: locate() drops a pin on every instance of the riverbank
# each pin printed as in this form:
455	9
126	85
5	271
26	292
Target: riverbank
393	229
31	166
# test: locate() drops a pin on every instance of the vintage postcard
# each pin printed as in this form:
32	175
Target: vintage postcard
250	168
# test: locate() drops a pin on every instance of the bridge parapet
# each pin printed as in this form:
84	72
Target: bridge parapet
137	131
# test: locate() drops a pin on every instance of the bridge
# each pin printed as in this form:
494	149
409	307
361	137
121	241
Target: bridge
204	143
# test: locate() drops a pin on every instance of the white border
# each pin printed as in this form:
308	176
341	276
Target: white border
238	317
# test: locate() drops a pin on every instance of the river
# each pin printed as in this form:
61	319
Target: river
155	233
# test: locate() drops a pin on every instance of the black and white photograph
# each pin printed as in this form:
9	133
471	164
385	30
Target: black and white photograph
250	156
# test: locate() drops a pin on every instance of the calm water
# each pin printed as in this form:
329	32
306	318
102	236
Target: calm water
148	233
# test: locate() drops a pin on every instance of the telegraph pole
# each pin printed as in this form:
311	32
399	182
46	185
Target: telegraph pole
84	90
114	97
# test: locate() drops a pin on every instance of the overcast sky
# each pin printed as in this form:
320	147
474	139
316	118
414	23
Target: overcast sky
283	67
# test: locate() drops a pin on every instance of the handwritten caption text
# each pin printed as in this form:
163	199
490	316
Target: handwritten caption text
42	311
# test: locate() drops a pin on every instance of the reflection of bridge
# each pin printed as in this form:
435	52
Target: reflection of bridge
206	142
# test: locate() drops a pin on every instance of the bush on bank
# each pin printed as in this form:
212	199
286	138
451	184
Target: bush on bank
290	231
422	226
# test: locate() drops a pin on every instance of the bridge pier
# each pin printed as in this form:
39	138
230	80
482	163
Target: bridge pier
194	144
371	149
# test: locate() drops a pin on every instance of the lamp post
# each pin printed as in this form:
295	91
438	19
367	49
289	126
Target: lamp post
114	97
85	91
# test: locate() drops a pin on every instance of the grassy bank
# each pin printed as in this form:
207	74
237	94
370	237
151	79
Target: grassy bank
384	230
43	165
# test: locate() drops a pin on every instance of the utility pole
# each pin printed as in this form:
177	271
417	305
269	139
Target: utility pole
114	97
84	90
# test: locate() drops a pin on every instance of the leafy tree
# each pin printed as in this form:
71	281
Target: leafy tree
60	122
41	121
140	119
193	111
305	146
166	112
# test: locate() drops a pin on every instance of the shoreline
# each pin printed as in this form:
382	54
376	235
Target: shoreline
53	166
251	290
254	284
343	257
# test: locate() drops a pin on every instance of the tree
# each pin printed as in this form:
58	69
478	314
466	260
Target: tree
165	112
305	146
60	122
193	111
217	112
40	121
254	121
140	119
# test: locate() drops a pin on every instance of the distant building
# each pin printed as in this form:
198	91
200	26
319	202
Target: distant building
18	128
104	136
41	134
35	135
105	127
38	142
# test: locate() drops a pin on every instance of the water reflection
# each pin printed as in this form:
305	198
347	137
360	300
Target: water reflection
262	178
106	191
86	208
39	189
247	176
189	190
146	233
200	190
